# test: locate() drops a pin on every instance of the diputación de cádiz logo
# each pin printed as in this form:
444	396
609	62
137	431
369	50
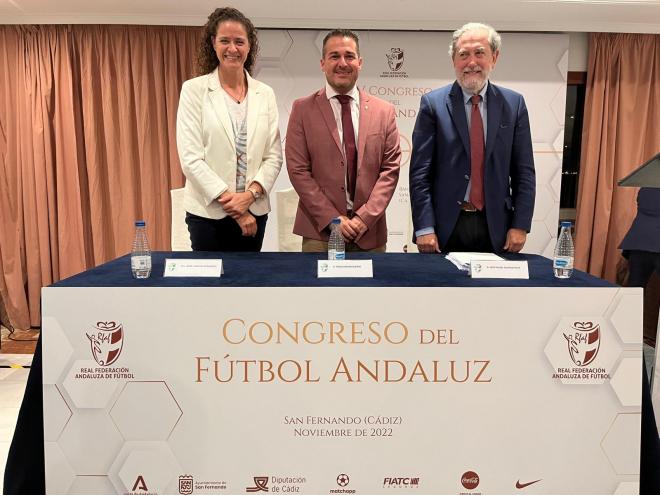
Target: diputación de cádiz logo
260	484
106	342
583	341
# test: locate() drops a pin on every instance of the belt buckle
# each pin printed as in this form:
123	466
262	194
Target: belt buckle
469	207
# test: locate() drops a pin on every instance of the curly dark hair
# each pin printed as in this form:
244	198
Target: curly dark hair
207	60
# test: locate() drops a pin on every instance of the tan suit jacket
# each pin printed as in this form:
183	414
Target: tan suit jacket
207	148
317	169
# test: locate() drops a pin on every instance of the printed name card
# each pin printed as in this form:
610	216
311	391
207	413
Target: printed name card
193	268
345	268
498	269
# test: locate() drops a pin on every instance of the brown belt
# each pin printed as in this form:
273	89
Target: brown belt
467	206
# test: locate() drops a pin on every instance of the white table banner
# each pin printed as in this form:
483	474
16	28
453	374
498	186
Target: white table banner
341	390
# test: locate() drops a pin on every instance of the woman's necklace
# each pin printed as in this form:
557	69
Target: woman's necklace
236	94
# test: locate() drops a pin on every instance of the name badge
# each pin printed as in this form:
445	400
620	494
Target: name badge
193	268
345	268
499	269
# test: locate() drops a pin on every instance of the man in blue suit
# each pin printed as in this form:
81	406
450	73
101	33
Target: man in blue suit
472	179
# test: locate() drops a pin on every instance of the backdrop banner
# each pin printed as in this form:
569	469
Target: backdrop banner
400	67
251	390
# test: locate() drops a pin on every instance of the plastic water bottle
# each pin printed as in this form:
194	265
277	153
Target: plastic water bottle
564	253
140	254
336	246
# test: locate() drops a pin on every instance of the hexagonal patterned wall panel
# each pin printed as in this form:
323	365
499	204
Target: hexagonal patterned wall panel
153	422
623	427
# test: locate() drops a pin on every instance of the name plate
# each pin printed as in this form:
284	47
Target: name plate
499	269
345	268
193	268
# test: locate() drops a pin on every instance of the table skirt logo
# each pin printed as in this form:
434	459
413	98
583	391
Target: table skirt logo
106	341
260	484
185	484
401	481
583	342
470	480
582	350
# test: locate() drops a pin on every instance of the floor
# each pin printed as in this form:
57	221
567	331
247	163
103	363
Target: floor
15	359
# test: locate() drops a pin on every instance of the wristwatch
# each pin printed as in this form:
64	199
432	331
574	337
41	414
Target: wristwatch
256	195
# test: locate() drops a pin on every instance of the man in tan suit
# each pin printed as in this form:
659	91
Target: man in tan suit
342	153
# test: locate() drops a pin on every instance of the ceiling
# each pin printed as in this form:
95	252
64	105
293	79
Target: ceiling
633	16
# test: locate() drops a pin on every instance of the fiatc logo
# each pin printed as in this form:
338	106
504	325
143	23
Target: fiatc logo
106	340
401	482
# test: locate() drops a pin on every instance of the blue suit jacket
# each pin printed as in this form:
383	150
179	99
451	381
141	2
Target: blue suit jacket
644	233
440	163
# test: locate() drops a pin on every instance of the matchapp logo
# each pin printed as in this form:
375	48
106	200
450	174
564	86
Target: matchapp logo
260	484
395	59
343	480
106	340
583	342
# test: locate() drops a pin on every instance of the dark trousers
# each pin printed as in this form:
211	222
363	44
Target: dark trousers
470	234
640	267
25	470
207	234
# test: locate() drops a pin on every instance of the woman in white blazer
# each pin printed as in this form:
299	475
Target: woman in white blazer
228	139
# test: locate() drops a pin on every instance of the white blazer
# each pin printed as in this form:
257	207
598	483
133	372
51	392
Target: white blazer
207	150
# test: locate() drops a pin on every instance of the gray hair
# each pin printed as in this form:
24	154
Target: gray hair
494	39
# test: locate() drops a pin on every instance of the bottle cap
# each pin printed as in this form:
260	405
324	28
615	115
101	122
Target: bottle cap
566	224
335	221
139	223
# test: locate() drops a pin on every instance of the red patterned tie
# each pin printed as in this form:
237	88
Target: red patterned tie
349	143
477	152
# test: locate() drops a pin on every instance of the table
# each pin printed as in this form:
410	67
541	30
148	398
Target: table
501	446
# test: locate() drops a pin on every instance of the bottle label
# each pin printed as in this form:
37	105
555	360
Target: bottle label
141	262
333	254
564	262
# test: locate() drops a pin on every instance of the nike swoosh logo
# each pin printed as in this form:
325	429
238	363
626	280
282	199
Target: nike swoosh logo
520	485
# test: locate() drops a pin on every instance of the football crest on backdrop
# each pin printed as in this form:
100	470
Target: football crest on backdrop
106	341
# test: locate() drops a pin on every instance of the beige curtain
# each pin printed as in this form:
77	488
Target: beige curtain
621	131
87	146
